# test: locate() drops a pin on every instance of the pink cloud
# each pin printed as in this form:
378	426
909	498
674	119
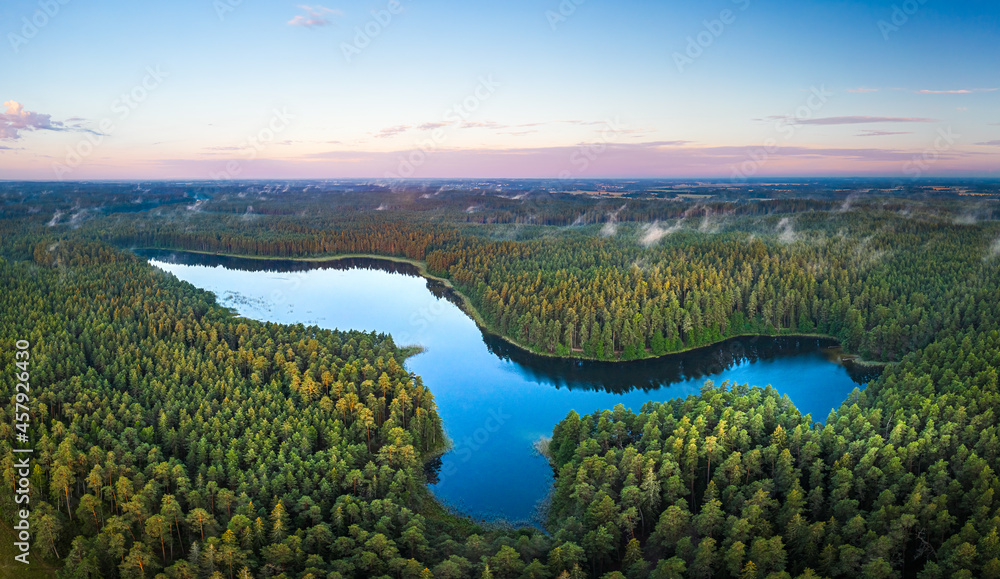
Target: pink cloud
393	131
666	159
484	125
652	159
961	91
861	120
315	16
495	125
17	119
870	133
432	126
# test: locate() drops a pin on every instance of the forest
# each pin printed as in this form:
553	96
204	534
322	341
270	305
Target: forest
176	440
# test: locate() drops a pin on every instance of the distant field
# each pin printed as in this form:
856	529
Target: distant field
9	568
601	193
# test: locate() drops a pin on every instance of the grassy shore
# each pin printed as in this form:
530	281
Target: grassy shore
37	569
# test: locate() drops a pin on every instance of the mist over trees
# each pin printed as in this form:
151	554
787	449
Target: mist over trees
176	440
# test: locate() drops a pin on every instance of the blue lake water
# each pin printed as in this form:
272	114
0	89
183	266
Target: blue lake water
495	399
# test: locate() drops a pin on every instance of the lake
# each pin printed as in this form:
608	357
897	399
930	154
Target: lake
497	400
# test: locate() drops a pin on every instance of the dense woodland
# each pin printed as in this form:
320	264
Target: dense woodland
175	440
884	278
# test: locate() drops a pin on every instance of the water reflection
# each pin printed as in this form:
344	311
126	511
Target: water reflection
276	265
611	377
655	373
497	400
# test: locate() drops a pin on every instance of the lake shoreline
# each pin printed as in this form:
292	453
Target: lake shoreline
465	303
478	378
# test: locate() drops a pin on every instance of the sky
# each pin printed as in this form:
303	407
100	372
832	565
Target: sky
560	89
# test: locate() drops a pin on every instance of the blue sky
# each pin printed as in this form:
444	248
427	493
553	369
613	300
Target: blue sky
722	89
